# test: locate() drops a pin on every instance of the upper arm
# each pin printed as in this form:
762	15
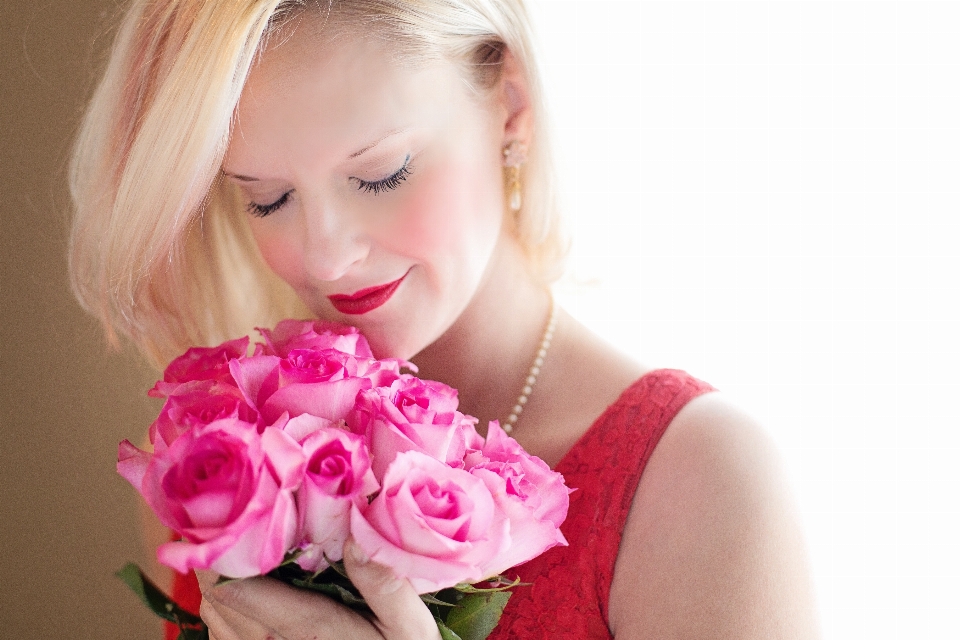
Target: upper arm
712	547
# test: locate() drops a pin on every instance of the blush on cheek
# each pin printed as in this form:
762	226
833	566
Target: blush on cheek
427	219
284	260
452	208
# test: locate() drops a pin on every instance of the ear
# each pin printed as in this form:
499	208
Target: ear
514	101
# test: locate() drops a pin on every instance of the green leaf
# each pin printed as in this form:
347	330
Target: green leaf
155	599
446	633
225	580
476	616
336	565
290	557
445	599
334	590
193	634
431	599
504	585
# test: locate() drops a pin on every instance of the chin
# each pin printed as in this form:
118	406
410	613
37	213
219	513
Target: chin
394	346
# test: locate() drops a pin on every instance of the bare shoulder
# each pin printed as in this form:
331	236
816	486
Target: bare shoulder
712	547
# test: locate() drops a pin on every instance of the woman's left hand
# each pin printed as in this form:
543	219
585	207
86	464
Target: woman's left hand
262	608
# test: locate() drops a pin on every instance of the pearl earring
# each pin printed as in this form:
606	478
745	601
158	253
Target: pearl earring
514	155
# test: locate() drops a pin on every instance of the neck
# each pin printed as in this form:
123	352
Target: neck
486	354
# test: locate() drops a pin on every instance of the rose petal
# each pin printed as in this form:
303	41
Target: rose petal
304	425
257	378
132	464
285	456
330	400
425	574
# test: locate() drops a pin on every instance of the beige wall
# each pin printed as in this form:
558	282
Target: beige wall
67	521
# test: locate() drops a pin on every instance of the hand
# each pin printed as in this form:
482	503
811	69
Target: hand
266	609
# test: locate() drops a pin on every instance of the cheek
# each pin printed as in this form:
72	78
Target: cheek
455	210
281	255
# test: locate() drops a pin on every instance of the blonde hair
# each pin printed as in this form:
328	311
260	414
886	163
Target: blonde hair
159	249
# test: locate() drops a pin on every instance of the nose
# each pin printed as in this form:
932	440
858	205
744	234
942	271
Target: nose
333	241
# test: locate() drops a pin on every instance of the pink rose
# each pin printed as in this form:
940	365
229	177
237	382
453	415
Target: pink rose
532	497
530	478
227	490
201	363
431	523
412	415
337	476
306	366
314	334
322	383
197	403
256	377
302	426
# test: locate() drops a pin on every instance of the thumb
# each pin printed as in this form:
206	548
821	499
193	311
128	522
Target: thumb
206	579
401	615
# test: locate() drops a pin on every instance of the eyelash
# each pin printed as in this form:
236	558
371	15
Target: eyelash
263	210
387	184
376	187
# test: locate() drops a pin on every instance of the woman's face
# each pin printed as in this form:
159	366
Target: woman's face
375	189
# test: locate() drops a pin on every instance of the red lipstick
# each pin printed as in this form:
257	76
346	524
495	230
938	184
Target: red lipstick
364	300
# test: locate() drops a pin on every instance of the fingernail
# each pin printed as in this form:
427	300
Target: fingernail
206	580
224	591
390	586
359	556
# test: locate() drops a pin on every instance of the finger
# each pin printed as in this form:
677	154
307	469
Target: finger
401	615
291	613
217	627
233	625
206	579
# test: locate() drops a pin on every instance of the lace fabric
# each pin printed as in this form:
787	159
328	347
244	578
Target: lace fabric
570	586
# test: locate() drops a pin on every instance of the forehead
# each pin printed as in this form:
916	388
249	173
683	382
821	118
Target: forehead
338	87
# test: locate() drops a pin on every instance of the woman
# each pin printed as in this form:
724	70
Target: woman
385	164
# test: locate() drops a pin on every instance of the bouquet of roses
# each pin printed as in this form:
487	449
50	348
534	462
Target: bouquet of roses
266	459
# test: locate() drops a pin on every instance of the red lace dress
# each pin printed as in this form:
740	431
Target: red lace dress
570	587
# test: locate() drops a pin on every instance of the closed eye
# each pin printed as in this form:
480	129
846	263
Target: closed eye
263	210
387	184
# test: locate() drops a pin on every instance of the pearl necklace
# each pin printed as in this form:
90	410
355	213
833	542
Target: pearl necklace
534	369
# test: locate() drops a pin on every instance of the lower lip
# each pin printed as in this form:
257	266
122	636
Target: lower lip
354	306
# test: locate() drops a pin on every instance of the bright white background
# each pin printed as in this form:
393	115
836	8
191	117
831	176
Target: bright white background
766	195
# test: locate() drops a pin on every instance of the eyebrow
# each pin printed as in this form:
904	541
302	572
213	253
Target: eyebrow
389	134
240	178
356	154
